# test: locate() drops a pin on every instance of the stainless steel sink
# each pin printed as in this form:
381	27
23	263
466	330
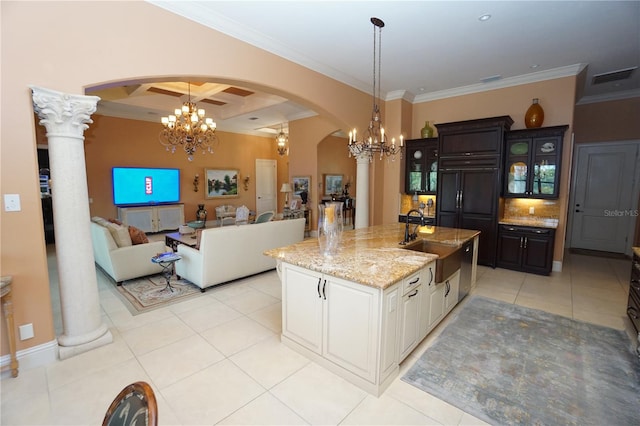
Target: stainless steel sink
449	257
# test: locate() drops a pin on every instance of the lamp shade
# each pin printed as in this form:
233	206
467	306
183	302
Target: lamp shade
286	188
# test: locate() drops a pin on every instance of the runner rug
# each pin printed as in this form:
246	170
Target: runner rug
149	293
506	364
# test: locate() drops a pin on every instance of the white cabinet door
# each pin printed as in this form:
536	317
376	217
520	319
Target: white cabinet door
140	217
302	306
436	304
409	322
351	325
389	338
451	296
425	301
169	217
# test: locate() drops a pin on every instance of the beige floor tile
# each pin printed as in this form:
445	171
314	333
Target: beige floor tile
213	394
269	362
558	306
76	368
178	360
268	283
208	316
250	301
237	335
32	410
425	403
386	410
147	338
270	317
203	299
613	320
224	291
124	320
318	396
264	410
509	297
596	305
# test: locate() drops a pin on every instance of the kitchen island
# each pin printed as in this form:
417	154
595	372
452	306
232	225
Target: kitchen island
361	311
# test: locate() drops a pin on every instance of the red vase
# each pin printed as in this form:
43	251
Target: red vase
534	115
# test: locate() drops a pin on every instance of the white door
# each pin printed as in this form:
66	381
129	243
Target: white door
604	209
266	181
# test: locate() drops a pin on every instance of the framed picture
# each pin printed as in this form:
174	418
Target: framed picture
221	183
294	204
332	184
302	187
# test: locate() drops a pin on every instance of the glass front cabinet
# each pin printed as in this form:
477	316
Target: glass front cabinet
421	165
532	162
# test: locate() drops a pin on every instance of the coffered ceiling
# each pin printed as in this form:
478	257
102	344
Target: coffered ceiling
430	50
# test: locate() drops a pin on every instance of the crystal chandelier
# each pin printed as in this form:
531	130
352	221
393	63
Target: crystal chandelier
189	128
283	143
374	139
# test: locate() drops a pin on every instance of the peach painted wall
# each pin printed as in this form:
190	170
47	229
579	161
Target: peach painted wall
608	121
67	46
131	143
556	98
333	158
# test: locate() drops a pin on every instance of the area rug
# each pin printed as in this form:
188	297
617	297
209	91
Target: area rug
506	364
148	293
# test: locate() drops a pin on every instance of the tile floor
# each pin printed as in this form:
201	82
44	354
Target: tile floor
217	359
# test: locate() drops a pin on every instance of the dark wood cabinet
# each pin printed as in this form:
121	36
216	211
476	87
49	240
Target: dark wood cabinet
532	162
421	166
633	302
527	249
470	179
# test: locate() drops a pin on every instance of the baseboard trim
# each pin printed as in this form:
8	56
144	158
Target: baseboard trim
557	266
33	357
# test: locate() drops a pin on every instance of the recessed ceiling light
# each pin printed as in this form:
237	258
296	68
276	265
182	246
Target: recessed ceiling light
485	17
422	89
534	66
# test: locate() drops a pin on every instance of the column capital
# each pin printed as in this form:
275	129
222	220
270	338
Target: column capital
61	113
363	157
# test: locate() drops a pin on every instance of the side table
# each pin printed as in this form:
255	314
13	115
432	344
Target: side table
166	261
7	306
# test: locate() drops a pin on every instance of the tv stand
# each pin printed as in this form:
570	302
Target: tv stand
154	218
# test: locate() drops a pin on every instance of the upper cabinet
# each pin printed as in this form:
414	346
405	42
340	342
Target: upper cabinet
532	162
421	165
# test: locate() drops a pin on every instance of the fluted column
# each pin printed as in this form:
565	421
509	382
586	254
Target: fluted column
362	190
66	117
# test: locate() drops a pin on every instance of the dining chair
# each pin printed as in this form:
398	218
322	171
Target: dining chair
134	405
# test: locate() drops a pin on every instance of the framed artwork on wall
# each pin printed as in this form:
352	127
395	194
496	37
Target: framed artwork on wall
302	187
332	184
221	183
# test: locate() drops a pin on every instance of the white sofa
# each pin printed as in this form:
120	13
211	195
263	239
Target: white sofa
124	263
233	252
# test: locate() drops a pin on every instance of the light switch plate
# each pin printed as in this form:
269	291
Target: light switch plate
12	203
532	210
26	331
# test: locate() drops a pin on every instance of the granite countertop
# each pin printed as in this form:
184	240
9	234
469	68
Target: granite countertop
371	256
539	222
636	251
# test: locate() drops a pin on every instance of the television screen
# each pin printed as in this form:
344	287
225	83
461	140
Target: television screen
137	185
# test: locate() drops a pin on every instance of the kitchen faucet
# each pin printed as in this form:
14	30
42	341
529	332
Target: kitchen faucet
412	236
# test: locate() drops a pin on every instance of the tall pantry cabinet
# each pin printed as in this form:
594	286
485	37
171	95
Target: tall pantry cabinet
470	179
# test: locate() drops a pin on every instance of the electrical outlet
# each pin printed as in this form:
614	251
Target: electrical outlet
12	203
26	331
532	210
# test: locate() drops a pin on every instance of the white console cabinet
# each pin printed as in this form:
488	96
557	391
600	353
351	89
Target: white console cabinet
153	218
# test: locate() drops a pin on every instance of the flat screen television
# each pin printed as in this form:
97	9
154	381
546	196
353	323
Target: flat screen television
143	186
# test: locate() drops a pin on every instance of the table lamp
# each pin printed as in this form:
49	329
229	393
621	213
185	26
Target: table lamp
286	188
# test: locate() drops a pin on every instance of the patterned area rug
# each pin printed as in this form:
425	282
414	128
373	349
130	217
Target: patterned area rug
506	364
149	293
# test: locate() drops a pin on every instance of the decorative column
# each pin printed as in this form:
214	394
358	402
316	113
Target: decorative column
66	117
362	190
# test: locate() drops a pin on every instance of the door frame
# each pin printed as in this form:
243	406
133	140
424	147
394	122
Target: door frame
635	190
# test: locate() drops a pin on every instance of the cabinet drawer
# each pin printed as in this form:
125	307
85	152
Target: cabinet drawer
413	281
471	161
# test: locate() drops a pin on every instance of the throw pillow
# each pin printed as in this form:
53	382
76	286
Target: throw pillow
116	221
100	221
120	235
137	236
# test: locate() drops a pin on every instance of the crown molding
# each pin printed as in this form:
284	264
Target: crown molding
567	71
605	97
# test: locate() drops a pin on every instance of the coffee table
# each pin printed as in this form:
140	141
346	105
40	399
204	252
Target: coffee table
166	261
174	239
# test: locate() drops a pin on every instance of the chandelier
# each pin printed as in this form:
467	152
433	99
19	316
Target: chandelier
374	139
283	143
188	128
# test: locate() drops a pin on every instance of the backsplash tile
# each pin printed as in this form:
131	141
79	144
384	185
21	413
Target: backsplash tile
515	208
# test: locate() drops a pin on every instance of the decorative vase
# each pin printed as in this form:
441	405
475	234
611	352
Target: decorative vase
426	131
201	214
534	115
330	226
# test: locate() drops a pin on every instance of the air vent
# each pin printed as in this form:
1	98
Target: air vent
490	79
608	77
164	92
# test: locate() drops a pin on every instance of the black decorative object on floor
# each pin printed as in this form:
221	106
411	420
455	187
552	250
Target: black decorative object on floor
506	364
